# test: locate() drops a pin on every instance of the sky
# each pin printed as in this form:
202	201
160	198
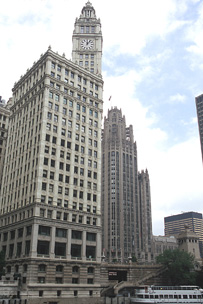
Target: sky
152	69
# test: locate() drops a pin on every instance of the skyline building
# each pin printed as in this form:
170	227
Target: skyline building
175	224
199	108
126	203
50	210
4	121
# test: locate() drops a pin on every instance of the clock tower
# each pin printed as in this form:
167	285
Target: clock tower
87	40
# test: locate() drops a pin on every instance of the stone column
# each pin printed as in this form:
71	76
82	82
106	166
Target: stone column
23	242
84	234
98	248
33	247
69	244
52	242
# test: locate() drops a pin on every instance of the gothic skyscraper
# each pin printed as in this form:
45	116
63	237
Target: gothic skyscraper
126	204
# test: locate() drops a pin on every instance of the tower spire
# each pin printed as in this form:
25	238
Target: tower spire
87	40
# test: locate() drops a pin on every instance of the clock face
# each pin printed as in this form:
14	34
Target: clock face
87	44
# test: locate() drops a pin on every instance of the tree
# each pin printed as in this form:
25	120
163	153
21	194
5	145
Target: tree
180	266
2	263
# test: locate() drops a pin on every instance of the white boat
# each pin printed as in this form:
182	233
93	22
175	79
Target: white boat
167	294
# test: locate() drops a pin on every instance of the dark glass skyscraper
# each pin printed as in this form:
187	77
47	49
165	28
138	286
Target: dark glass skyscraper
199	106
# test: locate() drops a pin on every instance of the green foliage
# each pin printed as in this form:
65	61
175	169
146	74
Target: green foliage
2	263
134	259
179	265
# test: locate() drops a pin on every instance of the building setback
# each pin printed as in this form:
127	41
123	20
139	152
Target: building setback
50	214
175	224
145	215
126	204
199	108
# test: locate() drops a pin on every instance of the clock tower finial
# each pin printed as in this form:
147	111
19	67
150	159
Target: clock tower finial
87	40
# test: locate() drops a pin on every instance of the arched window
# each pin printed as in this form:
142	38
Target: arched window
42	268
59	268
75	269
90	270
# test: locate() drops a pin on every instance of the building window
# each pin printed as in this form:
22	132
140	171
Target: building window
75	269
19	249
59	268
59	280
43	247
76	234
60	249
58	215
94	209
63	132
52	163
51	188
74	217
90	252
49	115
49	214
41	280
59	202
90	270
61	232
42	268
90	236
55	129
74	205
28	230
20	232
44	230
75	250
11	248
56	108
44	186
12	234
57	96
94	221
59	291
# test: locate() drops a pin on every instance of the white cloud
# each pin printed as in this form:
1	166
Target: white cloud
178	98
176	180
135	21
194	35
